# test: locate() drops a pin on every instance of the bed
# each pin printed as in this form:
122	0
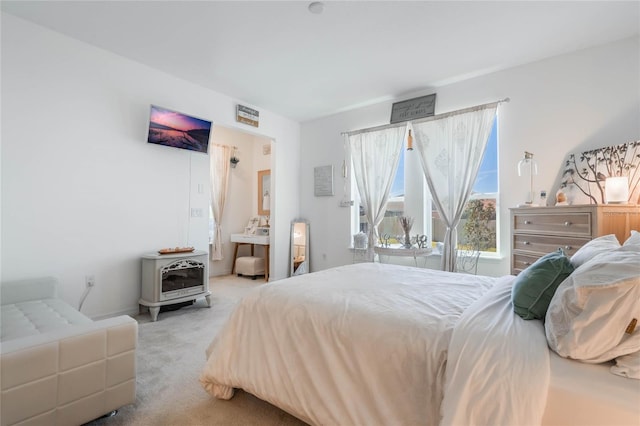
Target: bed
382	344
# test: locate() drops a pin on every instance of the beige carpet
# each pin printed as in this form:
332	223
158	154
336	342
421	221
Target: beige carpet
170	357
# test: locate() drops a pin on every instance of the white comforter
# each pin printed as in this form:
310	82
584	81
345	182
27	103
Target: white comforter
362	344
498	368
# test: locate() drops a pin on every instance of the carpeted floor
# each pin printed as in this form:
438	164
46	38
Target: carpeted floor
170	356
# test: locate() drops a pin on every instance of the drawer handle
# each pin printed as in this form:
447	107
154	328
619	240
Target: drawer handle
527	263
527	222
567	223
526	243
568	247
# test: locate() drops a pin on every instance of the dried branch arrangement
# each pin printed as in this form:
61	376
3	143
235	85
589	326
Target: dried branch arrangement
406	222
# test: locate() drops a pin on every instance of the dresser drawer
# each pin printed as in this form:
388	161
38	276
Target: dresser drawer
536	231
520	262
541	244
578	224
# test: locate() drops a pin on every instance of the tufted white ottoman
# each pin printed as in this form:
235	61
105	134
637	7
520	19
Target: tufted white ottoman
250	265
58	366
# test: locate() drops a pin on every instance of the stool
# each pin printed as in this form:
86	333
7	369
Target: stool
250	265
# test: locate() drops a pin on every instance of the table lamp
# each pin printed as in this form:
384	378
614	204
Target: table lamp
616	189
528	166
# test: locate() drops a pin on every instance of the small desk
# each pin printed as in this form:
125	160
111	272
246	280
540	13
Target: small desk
261	240
405	252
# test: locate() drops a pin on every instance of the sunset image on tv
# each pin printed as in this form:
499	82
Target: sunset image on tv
178	130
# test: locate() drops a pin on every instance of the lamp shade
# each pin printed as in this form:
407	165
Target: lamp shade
617	189
528	167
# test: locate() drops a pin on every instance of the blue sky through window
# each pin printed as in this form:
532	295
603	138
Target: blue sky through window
487	179
397	188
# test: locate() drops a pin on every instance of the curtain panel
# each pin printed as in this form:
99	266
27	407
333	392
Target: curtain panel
219	157
451	148
375	157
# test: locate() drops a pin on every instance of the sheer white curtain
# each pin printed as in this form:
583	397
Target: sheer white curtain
219	156
451	147
375	157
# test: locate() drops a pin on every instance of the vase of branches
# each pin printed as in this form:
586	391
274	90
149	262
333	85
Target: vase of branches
406	223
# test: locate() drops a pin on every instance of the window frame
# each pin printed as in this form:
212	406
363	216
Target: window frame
423	223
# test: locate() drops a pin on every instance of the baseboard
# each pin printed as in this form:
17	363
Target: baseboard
221	274
132	312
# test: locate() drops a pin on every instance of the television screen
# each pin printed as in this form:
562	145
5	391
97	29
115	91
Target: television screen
178	130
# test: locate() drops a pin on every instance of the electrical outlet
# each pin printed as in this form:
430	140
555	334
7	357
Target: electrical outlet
90	280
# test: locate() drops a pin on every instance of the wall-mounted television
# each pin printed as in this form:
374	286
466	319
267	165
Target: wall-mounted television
172	128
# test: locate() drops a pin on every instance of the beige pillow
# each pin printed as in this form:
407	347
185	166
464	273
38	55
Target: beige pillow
594	247
591	309
633	240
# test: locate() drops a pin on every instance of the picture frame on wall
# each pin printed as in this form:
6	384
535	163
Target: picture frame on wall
323	181
412	109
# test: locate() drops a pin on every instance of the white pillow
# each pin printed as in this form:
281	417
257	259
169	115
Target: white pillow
627	366
594	247
633	240
591	309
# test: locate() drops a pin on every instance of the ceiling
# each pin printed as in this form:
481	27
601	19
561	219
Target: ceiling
279	56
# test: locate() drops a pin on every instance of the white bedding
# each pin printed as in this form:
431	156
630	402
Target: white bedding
363	344
588	394
498	370
368	344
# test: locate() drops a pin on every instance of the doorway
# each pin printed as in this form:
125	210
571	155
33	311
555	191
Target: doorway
254	154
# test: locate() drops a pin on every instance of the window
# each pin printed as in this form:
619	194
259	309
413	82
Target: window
478	224
395	206
410	196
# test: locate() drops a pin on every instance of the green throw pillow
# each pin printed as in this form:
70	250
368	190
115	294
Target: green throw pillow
534	287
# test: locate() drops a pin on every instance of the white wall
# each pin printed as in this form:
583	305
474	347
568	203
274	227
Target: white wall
82	191
578	101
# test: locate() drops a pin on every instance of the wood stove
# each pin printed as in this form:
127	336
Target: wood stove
174	278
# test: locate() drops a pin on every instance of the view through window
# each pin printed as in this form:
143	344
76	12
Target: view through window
409	196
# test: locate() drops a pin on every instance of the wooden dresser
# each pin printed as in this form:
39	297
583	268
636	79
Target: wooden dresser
536	231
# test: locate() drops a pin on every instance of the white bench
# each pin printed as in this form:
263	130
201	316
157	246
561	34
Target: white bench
58	366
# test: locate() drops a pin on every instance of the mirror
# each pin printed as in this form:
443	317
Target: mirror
299	247
264	192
